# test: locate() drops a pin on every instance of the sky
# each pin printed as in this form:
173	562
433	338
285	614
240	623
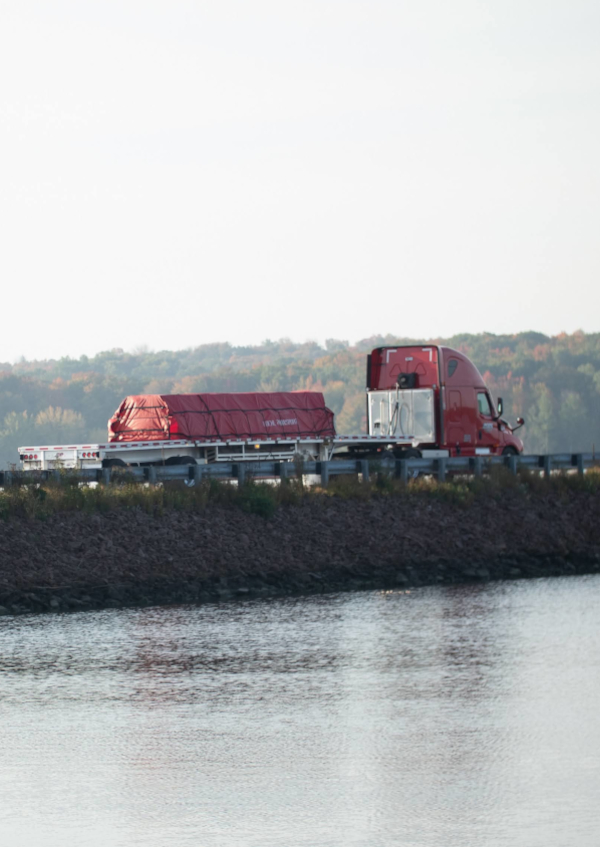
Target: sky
180	173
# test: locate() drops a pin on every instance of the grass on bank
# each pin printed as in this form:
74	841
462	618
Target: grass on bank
50	498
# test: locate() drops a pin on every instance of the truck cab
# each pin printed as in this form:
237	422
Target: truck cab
435	396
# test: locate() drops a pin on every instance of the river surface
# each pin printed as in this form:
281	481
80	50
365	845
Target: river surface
441	717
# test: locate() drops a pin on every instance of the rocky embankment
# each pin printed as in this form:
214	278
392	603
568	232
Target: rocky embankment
128	557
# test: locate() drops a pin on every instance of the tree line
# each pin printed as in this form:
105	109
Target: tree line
552	381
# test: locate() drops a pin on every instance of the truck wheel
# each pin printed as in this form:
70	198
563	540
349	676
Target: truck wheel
510	451
407	453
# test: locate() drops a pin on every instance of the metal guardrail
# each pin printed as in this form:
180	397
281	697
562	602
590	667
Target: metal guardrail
403	469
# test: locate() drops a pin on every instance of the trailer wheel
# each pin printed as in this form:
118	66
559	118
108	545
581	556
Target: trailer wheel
181	460
113	463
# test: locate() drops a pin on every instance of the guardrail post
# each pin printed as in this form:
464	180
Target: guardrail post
152	475
362	467
511	463
106	476
198	474
8	479
441	470
547	465
578	462
240	473
324	471
402	470
477	466
283	472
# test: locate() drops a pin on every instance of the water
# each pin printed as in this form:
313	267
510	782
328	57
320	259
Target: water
439	717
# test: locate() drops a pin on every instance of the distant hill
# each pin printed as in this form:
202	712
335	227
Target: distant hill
554	382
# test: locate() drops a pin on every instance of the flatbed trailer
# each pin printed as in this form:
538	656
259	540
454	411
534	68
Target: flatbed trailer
184	452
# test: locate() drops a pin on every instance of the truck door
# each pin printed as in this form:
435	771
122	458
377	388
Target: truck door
488	436
462	420
455	425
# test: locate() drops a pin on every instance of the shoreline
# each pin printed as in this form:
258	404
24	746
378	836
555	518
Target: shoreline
76	560
93	597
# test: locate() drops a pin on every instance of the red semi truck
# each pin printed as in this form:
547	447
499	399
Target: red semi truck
421	400
438	395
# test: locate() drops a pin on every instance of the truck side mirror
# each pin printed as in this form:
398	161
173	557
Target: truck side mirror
500	405
520	422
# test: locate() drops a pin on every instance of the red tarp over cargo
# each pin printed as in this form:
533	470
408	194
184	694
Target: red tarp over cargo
150	417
